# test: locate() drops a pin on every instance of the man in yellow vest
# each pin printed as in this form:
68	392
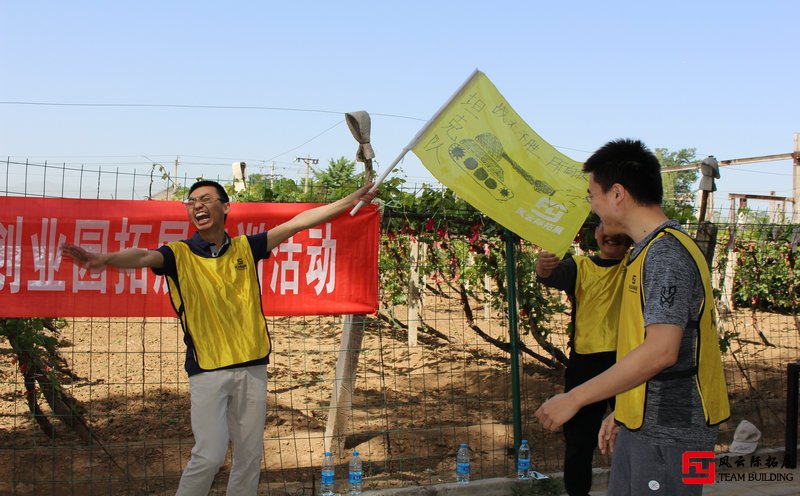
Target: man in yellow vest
213	285
593	284
668	379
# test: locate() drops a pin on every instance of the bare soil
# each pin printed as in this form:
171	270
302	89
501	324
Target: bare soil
411	406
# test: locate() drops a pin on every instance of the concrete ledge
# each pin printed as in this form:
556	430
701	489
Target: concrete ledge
498	486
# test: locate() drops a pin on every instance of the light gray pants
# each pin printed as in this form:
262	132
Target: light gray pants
226	405
644	469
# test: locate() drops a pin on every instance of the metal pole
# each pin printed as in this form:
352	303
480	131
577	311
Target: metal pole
511	280
792	392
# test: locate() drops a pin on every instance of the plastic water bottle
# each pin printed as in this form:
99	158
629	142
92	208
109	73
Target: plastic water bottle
355	474
462	464
523	460
327	475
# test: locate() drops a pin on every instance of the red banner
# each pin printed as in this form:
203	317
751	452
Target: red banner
328	270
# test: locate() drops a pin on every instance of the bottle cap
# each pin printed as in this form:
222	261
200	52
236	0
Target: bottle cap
524	441
327	453
463	445
355	453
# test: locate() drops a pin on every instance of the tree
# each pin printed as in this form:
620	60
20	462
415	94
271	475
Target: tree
335	181
678	186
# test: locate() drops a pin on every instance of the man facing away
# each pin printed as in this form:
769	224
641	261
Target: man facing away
226	336
668	379
593	284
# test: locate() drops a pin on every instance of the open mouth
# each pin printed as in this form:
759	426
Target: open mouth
202	218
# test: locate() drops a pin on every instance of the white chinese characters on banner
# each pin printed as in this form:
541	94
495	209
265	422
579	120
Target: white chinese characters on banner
285	268
316	255
321	268
11	255
47	257
323	261
91	235
130	236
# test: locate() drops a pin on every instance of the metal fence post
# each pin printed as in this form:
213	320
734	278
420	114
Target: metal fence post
792	393
511	278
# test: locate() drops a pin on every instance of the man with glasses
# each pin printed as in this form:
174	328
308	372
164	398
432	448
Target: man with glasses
226	336
668	379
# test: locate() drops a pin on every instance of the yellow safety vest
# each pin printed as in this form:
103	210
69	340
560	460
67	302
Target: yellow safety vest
597	296
708	372
219	304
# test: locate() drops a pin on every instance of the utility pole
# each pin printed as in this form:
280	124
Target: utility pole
308	160
272	177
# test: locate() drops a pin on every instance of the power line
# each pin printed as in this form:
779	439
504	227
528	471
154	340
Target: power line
307	142
181	106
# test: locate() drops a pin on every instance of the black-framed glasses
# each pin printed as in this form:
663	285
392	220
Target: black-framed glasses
205	200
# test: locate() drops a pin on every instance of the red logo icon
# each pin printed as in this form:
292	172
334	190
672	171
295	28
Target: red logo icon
701	472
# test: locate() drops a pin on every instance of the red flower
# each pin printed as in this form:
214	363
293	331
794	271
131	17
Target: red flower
476	234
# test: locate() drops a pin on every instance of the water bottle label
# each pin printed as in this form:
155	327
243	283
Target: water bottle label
327	478
523	465
462	468
355	477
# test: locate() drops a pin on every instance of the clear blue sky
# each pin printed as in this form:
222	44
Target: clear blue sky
721	77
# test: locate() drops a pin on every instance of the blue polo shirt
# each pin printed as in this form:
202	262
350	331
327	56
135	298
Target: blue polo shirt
201	247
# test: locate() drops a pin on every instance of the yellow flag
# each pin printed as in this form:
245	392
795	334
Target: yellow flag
480	148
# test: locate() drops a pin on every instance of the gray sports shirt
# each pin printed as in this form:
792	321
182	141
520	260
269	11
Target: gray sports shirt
673	293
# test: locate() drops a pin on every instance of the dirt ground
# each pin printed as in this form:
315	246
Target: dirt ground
411	407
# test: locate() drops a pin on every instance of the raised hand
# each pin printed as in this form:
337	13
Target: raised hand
546	262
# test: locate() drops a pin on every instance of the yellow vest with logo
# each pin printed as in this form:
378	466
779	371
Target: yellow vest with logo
708	372
597	296
219	304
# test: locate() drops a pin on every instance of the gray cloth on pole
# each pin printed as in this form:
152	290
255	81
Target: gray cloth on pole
709	168
359	124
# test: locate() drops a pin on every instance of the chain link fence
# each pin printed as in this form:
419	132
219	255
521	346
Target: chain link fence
433	370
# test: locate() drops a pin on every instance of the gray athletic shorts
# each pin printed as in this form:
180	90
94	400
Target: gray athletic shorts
642	469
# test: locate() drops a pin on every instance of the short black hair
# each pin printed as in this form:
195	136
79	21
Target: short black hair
630	163
223	195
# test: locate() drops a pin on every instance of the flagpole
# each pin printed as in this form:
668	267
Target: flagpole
416	138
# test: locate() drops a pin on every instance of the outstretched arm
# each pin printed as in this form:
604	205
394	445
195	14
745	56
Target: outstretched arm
317	216
659	351
132	258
